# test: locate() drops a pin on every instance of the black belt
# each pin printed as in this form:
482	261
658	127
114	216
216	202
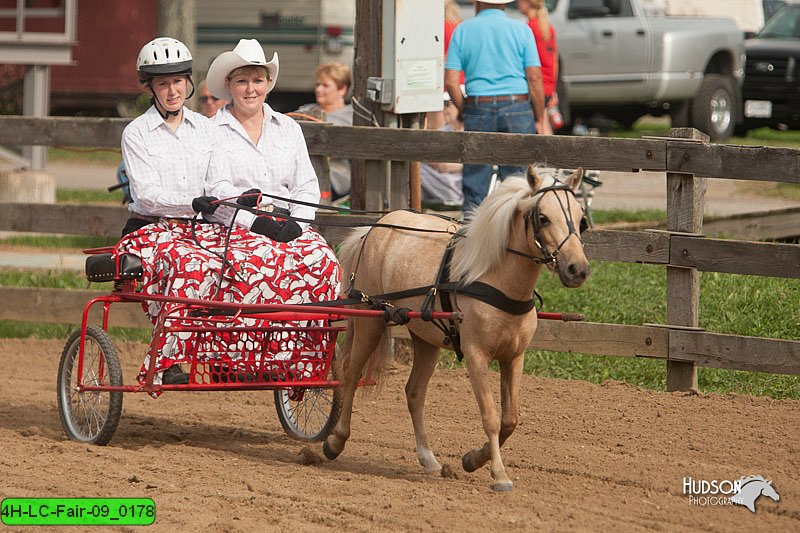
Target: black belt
172	220
493	99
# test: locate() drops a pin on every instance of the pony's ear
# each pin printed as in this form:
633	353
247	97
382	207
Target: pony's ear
574	179
533	179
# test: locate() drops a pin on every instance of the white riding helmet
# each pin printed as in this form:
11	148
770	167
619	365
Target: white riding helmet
163	56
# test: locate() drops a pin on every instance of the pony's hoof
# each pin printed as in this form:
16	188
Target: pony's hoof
467	464
433	471
329	454
505	486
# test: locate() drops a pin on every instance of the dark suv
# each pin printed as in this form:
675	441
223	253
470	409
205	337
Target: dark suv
771	90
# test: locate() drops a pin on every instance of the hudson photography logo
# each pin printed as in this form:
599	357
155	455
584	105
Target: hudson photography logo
743	491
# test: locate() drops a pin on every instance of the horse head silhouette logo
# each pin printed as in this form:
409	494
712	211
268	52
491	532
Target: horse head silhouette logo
750	488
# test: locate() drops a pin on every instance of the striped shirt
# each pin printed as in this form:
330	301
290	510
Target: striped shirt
168	169
278	164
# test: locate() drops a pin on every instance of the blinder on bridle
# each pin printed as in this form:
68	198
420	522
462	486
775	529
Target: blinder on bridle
535	218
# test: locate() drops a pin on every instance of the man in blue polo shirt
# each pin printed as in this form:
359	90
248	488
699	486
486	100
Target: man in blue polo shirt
503	84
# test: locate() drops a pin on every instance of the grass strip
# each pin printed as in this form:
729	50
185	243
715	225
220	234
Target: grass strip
89	196
76	242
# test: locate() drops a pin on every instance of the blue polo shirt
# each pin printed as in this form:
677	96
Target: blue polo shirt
493	50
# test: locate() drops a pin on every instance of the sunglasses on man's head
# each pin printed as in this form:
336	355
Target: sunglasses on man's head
208	98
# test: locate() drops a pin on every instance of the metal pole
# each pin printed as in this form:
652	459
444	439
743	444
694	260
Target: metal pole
36	103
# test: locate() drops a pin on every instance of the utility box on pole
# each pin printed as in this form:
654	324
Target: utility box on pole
412	77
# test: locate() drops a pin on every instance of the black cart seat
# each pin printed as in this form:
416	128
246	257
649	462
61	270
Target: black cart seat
101	267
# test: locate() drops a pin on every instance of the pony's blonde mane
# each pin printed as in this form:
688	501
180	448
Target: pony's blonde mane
487	233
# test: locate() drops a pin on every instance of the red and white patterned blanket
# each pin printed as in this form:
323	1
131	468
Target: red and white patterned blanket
180	261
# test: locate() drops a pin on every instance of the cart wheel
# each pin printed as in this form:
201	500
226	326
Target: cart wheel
308	413
90	416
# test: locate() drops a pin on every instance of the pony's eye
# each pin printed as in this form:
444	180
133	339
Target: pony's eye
543	220
584	225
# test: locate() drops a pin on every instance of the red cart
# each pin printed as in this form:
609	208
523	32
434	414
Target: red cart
289	349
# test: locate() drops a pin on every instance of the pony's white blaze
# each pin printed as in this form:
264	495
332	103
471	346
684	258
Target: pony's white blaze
387	260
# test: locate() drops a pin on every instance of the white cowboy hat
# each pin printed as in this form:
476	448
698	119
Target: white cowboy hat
247	52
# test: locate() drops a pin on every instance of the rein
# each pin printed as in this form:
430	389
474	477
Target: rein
275	214
442	285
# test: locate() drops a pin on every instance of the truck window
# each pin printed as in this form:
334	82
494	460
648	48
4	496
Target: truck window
625	8
600	8
784	25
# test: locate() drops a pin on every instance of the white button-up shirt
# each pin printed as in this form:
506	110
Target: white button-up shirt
278	164
168	169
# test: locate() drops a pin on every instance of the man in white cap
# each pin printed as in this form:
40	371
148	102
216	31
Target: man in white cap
503	81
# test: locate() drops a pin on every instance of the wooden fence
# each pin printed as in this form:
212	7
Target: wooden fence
681	249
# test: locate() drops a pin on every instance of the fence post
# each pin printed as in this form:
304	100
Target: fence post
367	177
685	202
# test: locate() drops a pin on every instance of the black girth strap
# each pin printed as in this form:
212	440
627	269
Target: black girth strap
452	337
477	290
494	297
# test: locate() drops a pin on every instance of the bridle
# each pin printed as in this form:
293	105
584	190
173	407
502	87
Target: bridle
534	217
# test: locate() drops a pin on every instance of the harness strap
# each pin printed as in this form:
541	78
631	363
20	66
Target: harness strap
349	211
477	290
494	297
449	328
536	260
275	214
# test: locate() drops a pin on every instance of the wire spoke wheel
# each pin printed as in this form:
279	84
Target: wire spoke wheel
309	413
89	416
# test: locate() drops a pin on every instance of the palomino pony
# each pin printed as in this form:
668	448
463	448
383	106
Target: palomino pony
518	228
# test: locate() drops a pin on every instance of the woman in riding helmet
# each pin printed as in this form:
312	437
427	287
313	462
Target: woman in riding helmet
167	153
167	150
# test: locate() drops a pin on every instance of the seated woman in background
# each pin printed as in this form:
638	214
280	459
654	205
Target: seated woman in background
332	84
441	182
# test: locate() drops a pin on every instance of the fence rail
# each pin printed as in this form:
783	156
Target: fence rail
683	250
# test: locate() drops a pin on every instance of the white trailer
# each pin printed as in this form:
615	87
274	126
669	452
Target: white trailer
748	14
305	33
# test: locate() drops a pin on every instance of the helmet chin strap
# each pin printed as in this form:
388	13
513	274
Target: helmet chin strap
159	106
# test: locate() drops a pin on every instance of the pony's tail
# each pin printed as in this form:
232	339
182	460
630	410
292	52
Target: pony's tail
375	371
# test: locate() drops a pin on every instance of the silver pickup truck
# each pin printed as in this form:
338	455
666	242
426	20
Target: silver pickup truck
617	61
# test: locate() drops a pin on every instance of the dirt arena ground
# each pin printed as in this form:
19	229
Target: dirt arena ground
585	457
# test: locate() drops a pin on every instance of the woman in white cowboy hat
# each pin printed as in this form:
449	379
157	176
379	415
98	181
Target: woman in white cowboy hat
266	153
266	149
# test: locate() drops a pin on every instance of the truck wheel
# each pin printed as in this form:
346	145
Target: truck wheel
714	107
